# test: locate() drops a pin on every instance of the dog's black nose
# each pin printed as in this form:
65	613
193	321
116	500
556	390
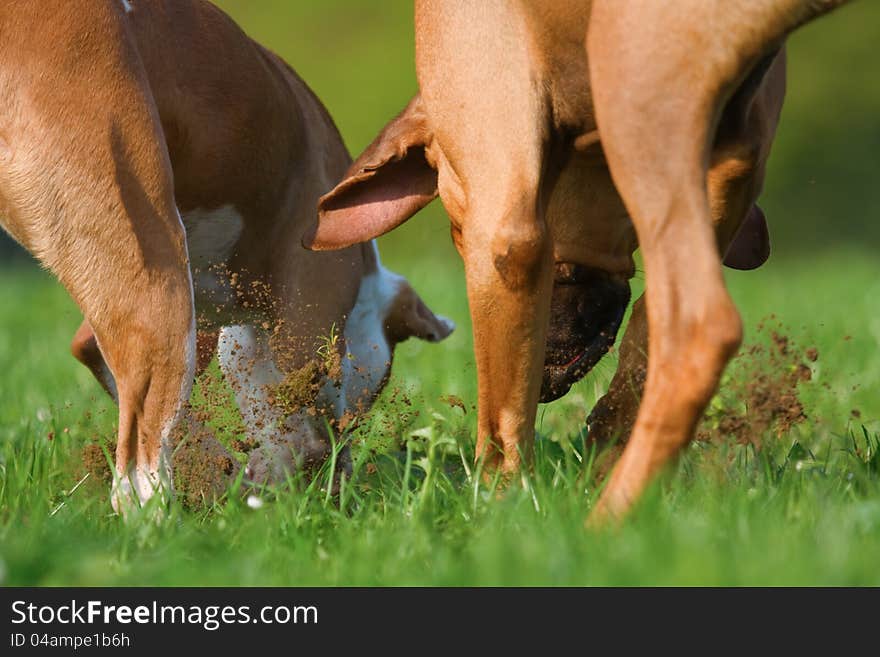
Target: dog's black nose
585	314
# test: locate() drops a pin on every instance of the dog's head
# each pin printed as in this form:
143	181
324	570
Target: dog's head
387	311
585	314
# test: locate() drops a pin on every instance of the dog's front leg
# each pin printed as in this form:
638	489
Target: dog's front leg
509	267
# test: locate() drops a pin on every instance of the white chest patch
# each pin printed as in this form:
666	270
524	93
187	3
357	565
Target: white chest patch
126	5
210	238
211	235
368	354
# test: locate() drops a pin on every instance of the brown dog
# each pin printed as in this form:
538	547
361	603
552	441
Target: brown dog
514	97
163	165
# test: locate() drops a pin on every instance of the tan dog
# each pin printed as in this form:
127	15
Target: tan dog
514	97
165	167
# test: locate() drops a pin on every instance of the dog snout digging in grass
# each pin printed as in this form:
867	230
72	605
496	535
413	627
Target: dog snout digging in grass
560	135
165	167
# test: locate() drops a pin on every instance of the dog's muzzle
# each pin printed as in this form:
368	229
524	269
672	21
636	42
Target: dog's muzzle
585	314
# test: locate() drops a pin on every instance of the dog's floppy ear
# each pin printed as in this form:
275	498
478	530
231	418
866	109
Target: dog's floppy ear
388	184
750	247
409	317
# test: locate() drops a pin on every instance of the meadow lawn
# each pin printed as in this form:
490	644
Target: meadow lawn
805	509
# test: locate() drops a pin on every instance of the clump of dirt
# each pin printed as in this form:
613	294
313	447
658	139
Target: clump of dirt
203	469
299	389
245	445
332	364
302	384
454	401
95	463
760	395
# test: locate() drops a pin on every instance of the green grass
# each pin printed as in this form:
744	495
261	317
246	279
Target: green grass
803	510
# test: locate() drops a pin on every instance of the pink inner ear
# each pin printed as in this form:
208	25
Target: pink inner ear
374	202
750	247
